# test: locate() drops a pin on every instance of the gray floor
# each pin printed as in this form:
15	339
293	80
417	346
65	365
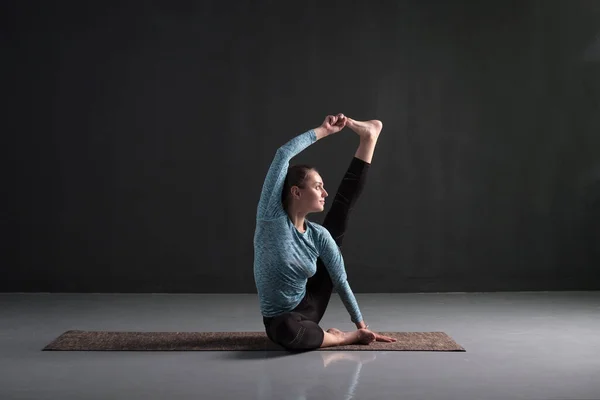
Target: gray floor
541	345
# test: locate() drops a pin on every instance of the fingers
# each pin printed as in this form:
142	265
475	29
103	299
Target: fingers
336	120
381	338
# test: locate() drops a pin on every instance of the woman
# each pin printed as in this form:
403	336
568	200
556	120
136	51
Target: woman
297	263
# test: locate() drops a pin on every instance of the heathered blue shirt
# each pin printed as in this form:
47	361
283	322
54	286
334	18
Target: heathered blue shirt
284	258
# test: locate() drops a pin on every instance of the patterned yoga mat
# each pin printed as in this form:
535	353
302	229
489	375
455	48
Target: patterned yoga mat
76	340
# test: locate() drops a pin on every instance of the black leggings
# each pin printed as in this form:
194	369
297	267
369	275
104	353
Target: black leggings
299	329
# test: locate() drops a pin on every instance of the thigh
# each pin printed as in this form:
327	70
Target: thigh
309	307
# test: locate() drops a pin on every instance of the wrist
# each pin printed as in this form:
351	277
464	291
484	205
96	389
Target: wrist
321	132
362	325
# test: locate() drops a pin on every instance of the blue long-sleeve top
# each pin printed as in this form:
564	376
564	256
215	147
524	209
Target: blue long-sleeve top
284	258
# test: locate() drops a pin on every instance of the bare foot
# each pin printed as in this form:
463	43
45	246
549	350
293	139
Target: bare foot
365	336
365	129
335	331
339	334
360	336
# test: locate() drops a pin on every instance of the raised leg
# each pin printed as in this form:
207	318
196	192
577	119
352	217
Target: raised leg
354	180
320	286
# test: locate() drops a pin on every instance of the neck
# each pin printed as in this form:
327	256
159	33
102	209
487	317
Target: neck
298	218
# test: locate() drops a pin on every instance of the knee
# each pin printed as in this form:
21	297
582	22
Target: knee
291	335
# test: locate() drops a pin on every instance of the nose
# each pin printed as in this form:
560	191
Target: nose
325	193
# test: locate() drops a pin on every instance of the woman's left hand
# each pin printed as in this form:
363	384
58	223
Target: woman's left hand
381	338
334	123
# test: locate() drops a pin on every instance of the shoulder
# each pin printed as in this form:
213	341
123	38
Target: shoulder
320	231
316	227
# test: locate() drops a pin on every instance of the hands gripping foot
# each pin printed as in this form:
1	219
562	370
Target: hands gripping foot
365	129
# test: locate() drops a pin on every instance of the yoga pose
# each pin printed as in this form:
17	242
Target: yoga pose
297	263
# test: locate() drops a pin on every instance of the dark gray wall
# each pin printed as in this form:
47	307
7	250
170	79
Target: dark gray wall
137	139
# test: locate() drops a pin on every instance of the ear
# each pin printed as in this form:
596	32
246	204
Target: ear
295	191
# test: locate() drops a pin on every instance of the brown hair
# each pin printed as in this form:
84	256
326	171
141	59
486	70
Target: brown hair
296	176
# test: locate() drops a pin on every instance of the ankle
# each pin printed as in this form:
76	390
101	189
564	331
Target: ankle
369	138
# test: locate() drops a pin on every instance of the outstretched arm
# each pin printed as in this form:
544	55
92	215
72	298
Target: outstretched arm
269	205
334	263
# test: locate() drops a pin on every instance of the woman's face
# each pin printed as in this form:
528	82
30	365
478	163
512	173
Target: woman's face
312	196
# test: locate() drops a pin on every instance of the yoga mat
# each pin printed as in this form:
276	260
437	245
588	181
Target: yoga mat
76	340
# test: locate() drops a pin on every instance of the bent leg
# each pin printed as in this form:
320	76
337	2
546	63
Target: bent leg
295	332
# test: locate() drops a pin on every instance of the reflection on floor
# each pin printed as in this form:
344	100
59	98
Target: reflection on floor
518	345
